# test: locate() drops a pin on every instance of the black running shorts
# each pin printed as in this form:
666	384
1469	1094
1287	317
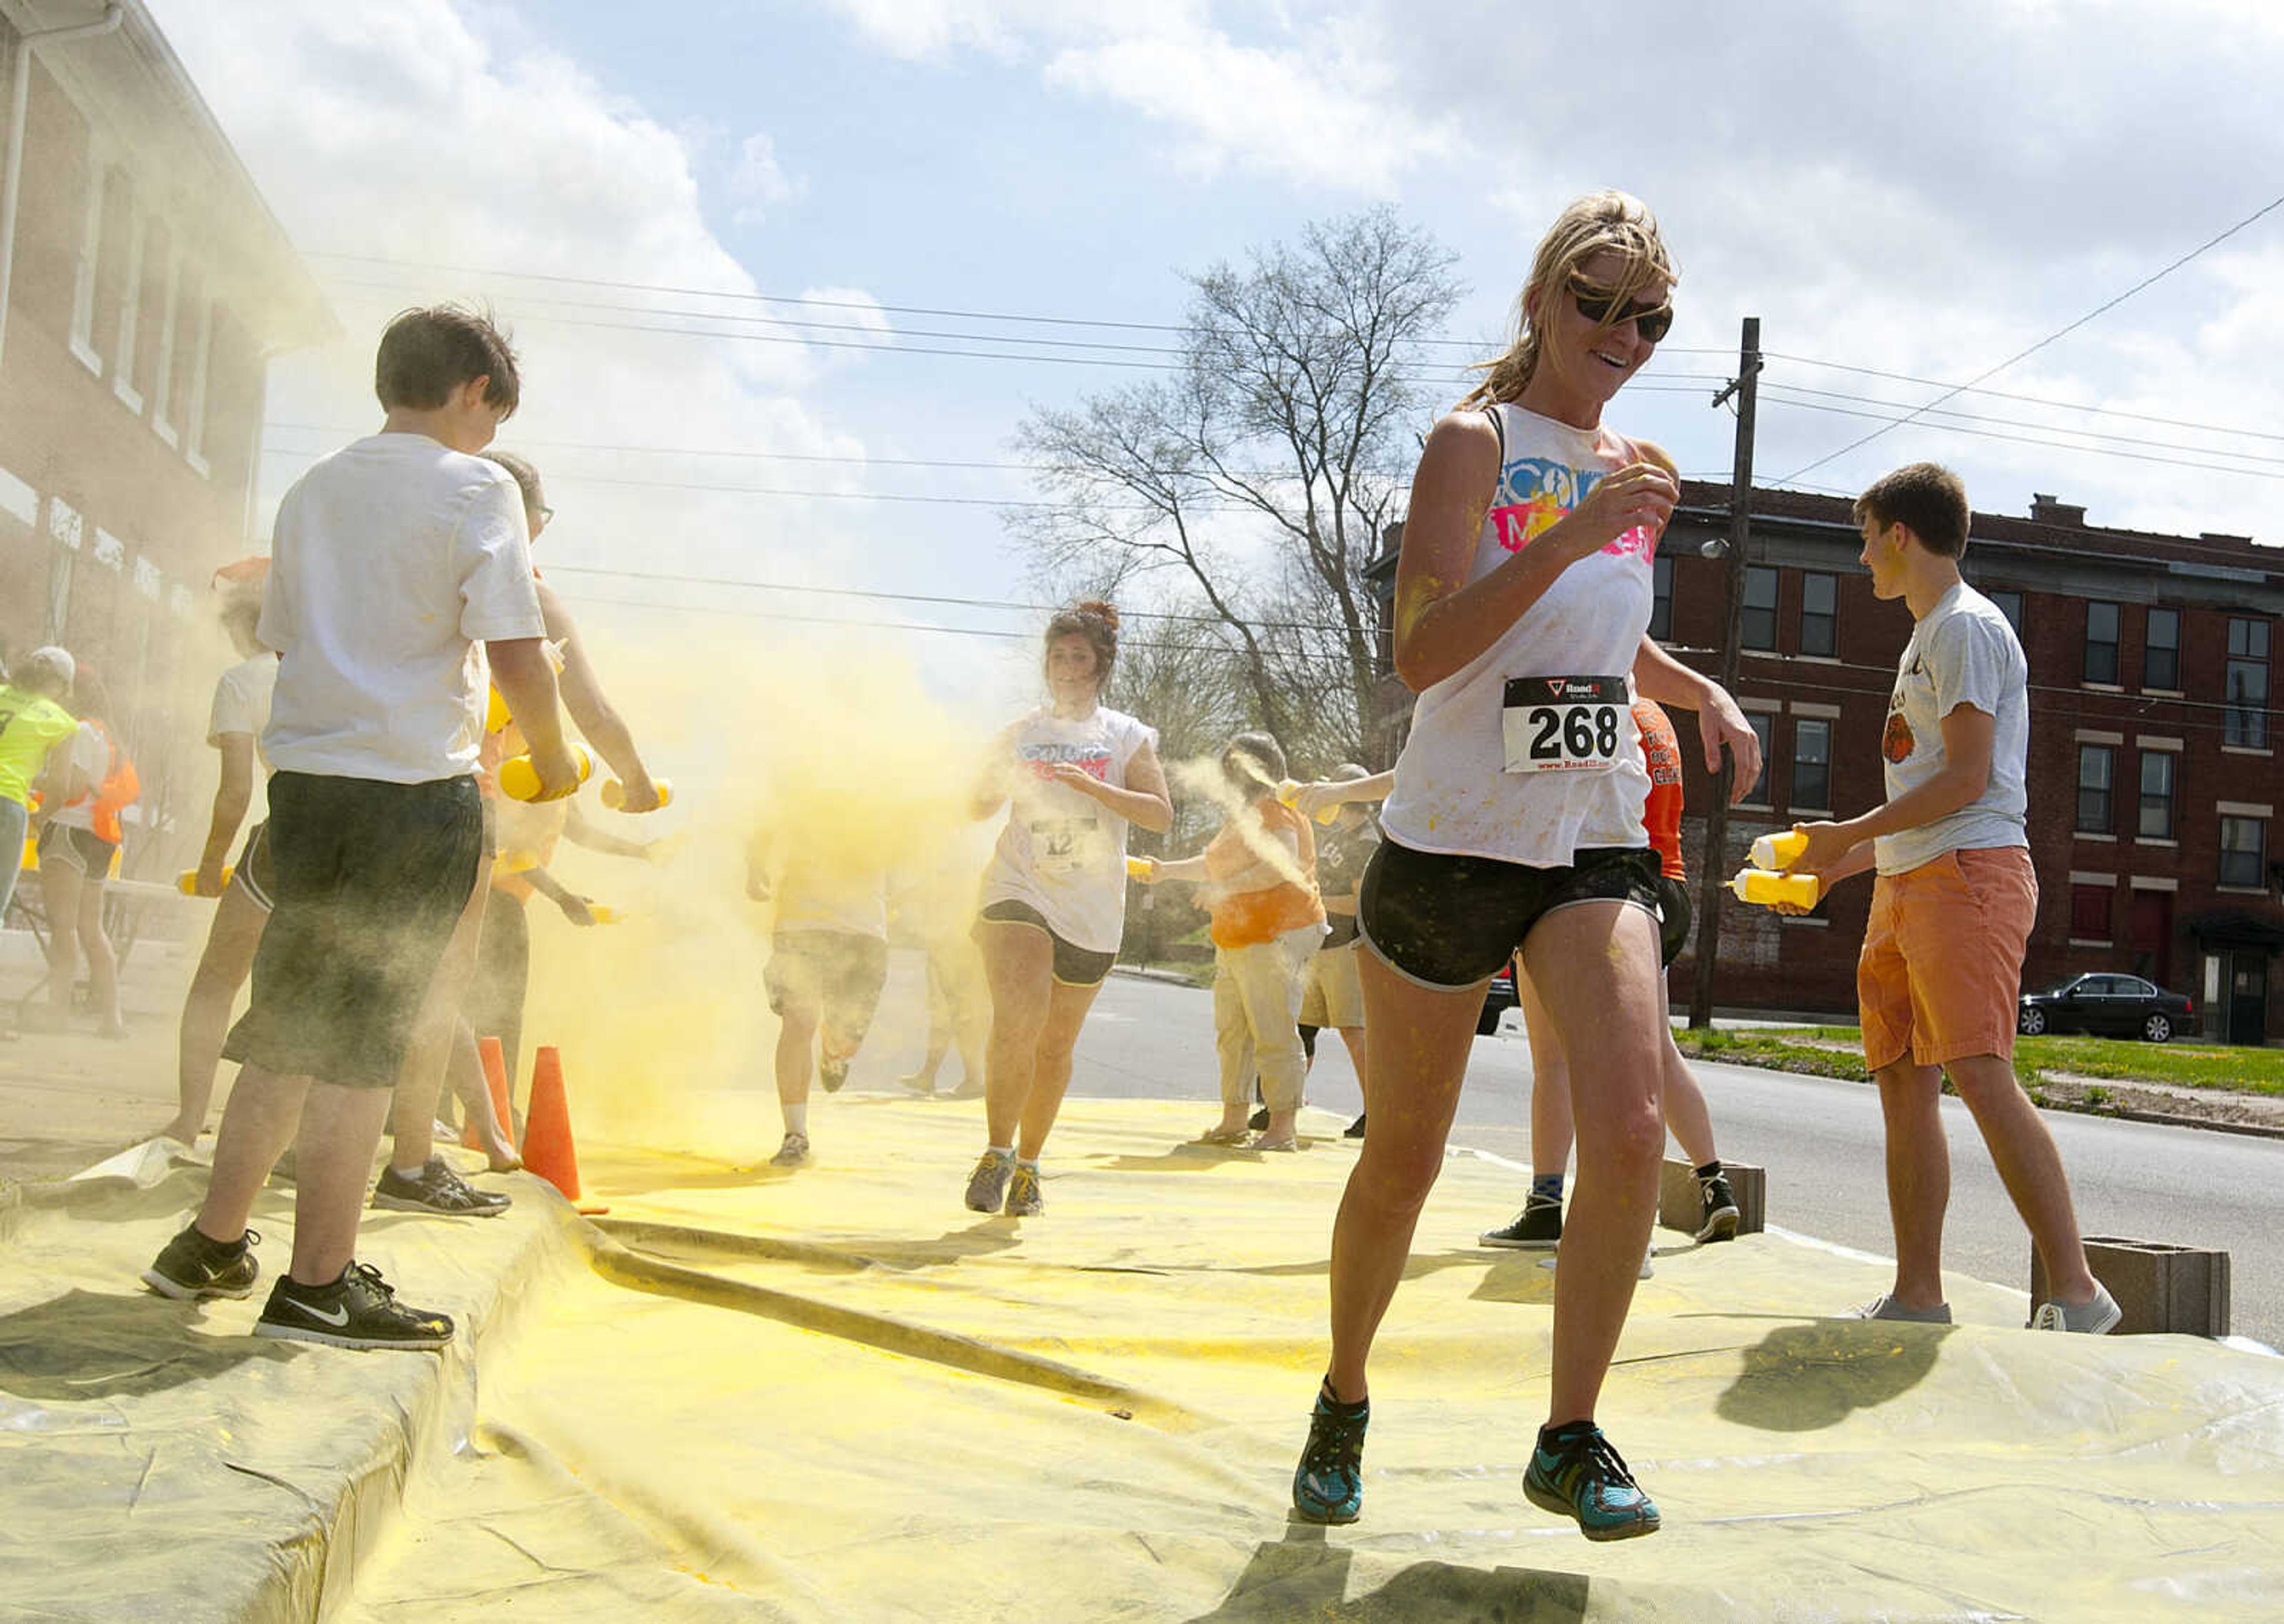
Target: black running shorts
1674	914
369	880
1449	922
1075	966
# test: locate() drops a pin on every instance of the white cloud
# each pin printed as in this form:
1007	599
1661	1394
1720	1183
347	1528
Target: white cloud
398	131
758	182
1309	100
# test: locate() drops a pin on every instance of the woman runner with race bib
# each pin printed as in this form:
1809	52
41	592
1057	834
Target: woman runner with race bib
1073	774
1523	604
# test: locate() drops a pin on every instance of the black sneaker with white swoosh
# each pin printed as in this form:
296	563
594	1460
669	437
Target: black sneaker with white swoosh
358	1310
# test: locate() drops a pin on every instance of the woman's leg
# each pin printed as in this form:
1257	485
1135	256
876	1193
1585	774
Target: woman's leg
1595	965
464	1066
102	961
1019	968
1421	1038
1273	985
421	1077
60	882
1549	1083
1051	1072
222	969
1233	1044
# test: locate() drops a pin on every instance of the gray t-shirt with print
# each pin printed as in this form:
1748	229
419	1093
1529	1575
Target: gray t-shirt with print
1962	652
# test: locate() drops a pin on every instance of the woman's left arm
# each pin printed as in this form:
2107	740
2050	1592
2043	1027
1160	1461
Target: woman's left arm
1144	802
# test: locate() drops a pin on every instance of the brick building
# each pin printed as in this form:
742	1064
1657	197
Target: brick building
143	288
2153	778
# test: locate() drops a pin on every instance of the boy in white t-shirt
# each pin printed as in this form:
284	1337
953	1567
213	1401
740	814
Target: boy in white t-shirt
1952	908
393	559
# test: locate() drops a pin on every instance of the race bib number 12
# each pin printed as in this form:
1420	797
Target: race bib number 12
1564	724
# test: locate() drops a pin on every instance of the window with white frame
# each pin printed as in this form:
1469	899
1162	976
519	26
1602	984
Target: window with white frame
2244	851
162	376
1811	763
1820	614
2245	723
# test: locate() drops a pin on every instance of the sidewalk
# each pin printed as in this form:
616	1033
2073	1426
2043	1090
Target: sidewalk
836	1394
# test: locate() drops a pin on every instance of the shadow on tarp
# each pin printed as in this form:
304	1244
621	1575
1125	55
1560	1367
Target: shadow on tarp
1189	1157
1801	1378
118	1201
1302	1577
85	1345
686	1242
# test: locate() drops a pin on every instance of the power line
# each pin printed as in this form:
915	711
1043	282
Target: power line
2027	440
1984	376
2025	400
838	304
1472	345
2050	428
1417	381
1005	604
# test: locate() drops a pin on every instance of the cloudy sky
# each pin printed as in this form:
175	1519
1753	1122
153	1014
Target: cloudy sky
1921	190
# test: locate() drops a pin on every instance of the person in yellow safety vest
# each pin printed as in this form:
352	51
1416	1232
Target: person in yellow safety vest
33	724
79	839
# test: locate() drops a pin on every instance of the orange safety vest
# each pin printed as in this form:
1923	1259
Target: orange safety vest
121	788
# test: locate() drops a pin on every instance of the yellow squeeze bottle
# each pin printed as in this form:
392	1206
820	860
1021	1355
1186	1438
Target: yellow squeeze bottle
1137	868
603	913
1759	886
519	779
187	881
1288	790
615	794
1778	852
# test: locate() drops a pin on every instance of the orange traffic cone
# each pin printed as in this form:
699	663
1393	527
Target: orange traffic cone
547	1149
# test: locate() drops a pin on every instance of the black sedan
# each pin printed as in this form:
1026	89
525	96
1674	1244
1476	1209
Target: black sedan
2106	1006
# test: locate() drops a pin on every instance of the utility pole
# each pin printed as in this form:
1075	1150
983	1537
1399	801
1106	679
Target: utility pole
1711	880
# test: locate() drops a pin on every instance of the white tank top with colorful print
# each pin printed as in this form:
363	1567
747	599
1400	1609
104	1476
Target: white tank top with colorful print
1063	853
1530	752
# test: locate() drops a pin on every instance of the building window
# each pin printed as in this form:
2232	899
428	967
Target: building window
2246	721
2010	605
1661	603
2157	794
1819	609
2101	643
2090	912
130	314
1760	624
1762	724
2161	663
1811	762
194	407
2096	770
105	195
2244	851
162	378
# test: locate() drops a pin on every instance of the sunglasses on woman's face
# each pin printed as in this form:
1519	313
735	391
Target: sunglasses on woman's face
1599	306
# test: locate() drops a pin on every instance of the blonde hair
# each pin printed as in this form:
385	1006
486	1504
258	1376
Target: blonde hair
1598	221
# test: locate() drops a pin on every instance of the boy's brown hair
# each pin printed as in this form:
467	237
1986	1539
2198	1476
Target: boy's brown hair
427	354
1926	498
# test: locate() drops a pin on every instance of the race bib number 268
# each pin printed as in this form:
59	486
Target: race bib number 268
1564	724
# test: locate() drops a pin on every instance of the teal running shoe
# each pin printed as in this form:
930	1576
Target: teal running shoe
1575	1473
1328	1485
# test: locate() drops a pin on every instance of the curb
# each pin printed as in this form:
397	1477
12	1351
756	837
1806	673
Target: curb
2159	1119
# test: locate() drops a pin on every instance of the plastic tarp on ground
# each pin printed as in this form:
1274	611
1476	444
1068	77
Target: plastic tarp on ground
836	1394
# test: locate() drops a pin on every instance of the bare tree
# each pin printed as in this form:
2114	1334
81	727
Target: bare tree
1262	473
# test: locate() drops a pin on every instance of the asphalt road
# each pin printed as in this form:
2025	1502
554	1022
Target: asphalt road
1819	1140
